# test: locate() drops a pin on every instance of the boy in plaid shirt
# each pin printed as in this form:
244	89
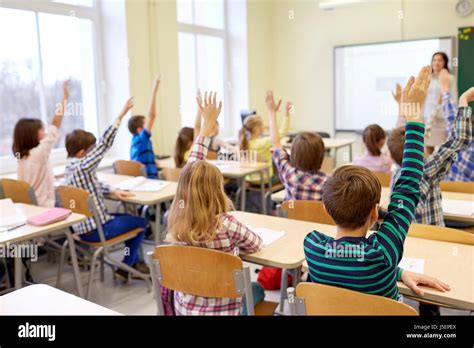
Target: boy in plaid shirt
301	175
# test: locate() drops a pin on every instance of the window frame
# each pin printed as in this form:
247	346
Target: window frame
58	155
196	30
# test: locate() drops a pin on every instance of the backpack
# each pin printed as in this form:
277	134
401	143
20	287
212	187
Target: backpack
270	278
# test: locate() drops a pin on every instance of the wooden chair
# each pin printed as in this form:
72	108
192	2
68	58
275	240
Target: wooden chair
171	174
320	299
79	201
440	233
199	272
131	168
328	165
18	191
457	186
211	155
312	211
384	178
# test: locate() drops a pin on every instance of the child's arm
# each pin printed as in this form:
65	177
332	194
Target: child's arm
397	95
152	112
247	240
406	192
210	111
412	280
58	117
272	109
94	156
438	165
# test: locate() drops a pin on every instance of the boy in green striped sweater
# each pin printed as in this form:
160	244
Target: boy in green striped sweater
352	195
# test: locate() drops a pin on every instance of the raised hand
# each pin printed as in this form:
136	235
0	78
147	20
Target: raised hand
270	101
466	97
444	80
122	194
210	111
126	108
412	280
156	85
66	86
397	94
414	94
289	108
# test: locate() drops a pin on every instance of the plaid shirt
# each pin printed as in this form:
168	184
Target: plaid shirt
299	185
463	166
438	165
82	173
230	234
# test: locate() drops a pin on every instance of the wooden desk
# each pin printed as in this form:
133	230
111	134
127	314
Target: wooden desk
143	198
445	261
28	232
385	198
233	170
330	144
43	299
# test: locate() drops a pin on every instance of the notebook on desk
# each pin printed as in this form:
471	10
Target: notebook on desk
10	216
141	184
458	207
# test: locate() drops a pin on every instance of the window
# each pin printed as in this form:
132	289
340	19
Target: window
202	54
52	43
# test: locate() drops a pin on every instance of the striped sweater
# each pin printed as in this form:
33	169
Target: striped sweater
370	265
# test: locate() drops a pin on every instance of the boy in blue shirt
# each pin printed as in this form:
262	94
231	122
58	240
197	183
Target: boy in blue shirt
141	149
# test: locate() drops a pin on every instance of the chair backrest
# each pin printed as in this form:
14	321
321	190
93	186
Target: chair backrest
320	299
384	178
75	199
171	174
328	164
457	186
131	168
312	211
18	191
211	155
440	233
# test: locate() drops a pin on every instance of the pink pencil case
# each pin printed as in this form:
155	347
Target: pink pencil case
48	217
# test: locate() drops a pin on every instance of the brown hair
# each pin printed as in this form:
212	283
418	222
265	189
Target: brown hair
307	152
79	140
25	136
372	136
445	58
183	144
350	194
135	122
396	144
200	200
250	123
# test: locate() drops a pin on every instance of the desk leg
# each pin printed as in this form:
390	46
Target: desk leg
350	152
283	287
75	264
18	272
243	193
262	193
158	240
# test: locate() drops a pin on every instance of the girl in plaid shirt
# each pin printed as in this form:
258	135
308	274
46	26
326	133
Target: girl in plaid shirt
302	175
199	216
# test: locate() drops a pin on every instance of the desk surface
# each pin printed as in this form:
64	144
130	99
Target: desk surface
43	299
165	194
230	169
28	232
449	262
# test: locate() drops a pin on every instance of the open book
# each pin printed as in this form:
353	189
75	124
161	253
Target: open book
10	216
141	183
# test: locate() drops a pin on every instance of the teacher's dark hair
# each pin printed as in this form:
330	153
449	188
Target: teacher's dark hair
444	56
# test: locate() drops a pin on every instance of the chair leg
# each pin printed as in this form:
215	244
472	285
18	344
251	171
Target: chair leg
92	271
61	263
102	273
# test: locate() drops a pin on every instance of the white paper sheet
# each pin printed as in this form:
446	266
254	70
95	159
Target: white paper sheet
268	236
10	216
141	184
458	207
413	264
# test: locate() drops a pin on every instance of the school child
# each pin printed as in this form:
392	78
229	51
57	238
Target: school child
351	197
81	172
141	149
32	147
204	221
301	174
183	146
373	158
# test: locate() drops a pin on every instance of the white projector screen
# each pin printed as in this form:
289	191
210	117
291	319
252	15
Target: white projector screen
365	76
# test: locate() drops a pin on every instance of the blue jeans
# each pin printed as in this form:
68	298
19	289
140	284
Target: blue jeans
258	293
120	224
